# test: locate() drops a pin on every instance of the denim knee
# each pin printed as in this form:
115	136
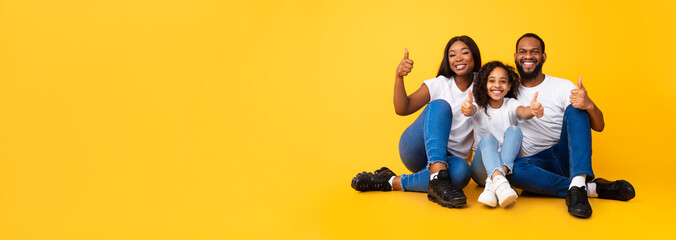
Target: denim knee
440	105
575	113
514	130
487	140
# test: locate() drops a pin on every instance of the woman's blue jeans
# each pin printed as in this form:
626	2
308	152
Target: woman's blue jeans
550	171
424	143
487	158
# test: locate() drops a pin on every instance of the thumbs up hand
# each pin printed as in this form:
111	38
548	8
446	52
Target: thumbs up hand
467	108
579	98
405	66
535	107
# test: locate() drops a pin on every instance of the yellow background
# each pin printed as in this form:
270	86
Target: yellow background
248	119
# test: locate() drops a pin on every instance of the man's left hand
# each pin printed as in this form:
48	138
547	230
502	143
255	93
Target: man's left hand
579	97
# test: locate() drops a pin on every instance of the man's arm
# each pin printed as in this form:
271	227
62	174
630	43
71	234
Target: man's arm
579	99
596	117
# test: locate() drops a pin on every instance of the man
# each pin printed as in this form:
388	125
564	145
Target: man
557	147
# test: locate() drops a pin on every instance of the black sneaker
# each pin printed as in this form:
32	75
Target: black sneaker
385	172
578	205
618	190
378	181
443	192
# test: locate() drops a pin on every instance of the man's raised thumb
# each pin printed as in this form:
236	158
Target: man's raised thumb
535	97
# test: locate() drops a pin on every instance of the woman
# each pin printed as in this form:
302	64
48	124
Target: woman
436	145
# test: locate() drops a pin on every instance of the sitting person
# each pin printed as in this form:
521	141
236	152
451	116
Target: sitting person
557	147
497	139
436	145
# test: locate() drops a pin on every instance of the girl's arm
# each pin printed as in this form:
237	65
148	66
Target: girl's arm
524	112
403	104
534	110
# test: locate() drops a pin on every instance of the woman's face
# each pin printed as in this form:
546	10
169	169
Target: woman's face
498	84
460	58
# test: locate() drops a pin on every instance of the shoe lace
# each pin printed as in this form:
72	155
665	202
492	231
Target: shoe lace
489	187
446	188
610	190
446	184
579	195
376	182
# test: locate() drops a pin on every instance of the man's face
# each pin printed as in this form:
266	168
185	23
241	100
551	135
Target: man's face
529	58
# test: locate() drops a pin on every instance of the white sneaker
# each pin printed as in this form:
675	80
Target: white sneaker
506	195
488	195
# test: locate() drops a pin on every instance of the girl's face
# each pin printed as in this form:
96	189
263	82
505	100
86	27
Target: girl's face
460	58
498	84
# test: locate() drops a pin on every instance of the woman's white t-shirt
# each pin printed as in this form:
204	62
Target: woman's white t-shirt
495	122
460	139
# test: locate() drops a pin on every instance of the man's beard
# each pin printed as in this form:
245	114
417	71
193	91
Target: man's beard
531	75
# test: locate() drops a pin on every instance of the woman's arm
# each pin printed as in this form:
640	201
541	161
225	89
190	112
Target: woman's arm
403	104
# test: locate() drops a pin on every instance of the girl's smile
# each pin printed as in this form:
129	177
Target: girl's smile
497	92
497	86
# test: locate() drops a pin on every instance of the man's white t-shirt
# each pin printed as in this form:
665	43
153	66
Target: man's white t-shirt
496	122
542	133
460	139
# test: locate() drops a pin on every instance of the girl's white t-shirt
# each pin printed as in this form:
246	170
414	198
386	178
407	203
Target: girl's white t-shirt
542	133
495	122
460	139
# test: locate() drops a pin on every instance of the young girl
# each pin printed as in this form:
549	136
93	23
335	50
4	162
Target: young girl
497	139
436	145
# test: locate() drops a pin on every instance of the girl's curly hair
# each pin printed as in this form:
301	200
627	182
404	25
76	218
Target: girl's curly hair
481	79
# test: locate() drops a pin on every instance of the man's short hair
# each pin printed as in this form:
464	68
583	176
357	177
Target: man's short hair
533	35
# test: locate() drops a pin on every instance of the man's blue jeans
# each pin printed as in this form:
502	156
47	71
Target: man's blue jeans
424	143
487	158
550	171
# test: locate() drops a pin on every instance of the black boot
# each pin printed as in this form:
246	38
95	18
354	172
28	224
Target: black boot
618	190
377	181
443	192
577	202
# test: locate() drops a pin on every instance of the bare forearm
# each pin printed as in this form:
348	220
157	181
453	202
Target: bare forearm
400	97
596	118
405	105
524	112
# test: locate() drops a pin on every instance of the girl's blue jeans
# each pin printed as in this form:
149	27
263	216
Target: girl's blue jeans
424	143
487	158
